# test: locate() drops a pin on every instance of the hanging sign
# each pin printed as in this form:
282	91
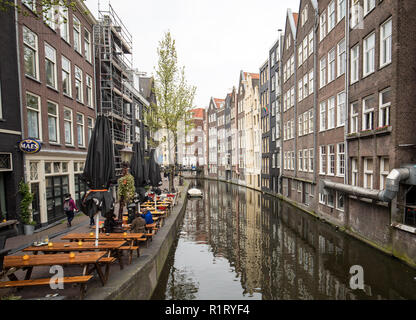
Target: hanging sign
30	146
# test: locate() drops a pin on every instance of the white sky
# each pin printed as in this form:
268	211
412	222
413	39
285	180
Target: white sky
215	39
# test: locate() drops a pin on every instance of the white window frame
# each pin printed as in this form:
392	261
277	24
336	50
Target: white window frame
386	44
341	8
305	86
311	123
300	126
305	160
322	116
90	125
70	121
341	109
341	55
323	72
68	72
79	79
52	60
384	109
331	160
311	157
331	113
354	171
337	197
305	122
354	128
35	49
340	159
39	115
383	173
87	45
368	173
355	64
369	55
332	19
77	34
49	16
369	5
82	125
311	82
322	160
64	24
322	26
90	91
331	65
369	112
300	160
31	4
56	116
300	90
310	42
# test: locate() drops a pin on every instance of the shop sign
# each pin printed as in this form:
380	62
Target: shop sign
30	146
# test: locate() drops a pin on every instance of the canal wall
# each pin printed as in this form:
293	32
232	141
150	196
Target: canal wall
138	280
371	226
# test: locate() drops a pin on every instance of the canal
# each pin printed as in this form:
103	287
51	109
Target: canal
237	243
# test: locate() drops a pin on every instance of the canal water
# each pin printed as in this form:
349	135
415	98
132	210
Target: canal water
236	243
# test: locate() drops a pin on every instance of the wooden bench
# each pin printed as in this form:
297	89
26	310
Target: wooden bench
131	249
81	280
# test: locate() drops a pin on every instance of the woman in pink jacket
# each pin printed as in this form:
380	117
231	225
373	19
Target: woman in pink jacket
69	208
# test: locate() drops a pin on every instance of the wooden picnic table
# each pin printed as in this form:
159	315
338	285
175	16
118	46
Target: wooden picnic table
103	237
110	247
84	259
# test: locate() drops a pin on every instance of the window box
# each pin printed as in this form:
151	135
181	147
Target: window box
383	129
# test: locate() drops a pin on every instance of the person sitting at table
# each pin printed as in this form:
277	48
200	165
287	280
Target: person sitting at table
110	225
138	225
147	217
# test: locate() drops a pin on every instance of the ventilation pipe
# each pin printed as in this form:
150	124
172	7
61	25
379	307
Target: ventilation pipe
387	195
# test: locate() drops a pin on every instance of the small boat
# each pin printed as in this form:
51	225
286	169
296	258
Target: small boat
194	192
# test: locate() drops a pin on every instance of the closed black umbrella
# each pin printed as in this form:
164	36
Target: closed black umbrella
99	171
137	166
154	170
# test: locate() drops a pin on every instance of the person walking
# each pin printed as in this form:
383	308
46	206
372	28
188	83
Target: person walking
69	208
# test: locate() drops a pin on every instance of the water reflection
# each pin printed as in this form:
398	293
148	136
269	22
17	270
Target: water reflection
236	243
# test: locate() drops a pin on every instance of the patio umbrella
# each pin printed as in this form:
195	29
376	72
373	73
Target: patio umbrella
154	170
137	166
99	172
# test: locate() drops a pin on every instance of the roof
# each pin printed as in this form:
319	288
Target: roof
296	17
198	112
218	102
252	75
146	85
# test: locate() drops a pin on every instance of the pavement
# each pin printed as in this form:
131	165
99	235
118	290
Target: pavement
80	224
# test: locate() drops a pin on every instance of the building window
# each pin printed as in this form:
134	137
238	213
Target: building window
354	172
384	172
311	82
322	118
77	34
305	48
50	66
66	76
323	74
310	40
322	198
341	57
331	160
305	122
311	124
331	16
322	162
68	126
300	55
305	160
300	90
341	160
33	116
90	95
305	86
322	30
341	109
340	201
30	52
300	160
310	160
368	113
331	113
64	23
53	123
330	198
354	117
31	4
355	54
331	65
355	13
49	15
292	96
369	5
292	65
368	173
384	112
385	43
80	129
87	45
369	54
91	128
304	15
341	9
78	84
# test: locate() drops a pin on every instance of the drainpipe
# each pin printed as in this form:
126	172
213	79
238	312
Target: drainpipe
315	93
347	90
386	195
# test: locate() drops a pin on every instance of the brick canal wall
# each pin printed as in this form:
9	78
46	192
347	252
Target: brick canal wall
138	280
370	224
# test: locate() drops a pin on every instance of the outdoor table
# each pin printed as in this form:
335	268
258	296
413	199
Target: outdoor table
84	259
109	247
103	237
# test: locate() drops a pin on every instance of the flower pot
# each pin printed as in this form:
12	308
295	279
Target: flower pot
29	229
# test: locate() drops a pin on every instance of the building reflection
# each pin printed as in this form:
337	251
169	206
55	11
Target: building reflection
279	252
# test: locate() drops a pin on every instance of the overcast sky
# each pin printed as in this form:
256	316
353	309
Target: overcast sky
215	39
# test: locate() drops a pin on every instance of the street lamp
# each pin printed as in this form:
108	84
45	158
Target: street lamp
126	154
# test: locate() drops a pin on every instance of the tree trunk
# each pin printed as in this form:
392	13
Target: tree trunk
171	178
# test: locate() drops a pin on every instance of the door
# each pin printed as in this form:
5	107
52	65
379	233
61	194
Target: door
56	188
34	187
80	189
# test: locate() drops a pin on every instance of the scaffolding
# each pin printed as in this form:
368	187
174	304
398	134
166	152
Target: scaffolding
113	46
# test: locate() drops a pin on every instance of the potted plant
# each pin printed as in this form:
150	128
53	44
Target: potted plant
25	210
